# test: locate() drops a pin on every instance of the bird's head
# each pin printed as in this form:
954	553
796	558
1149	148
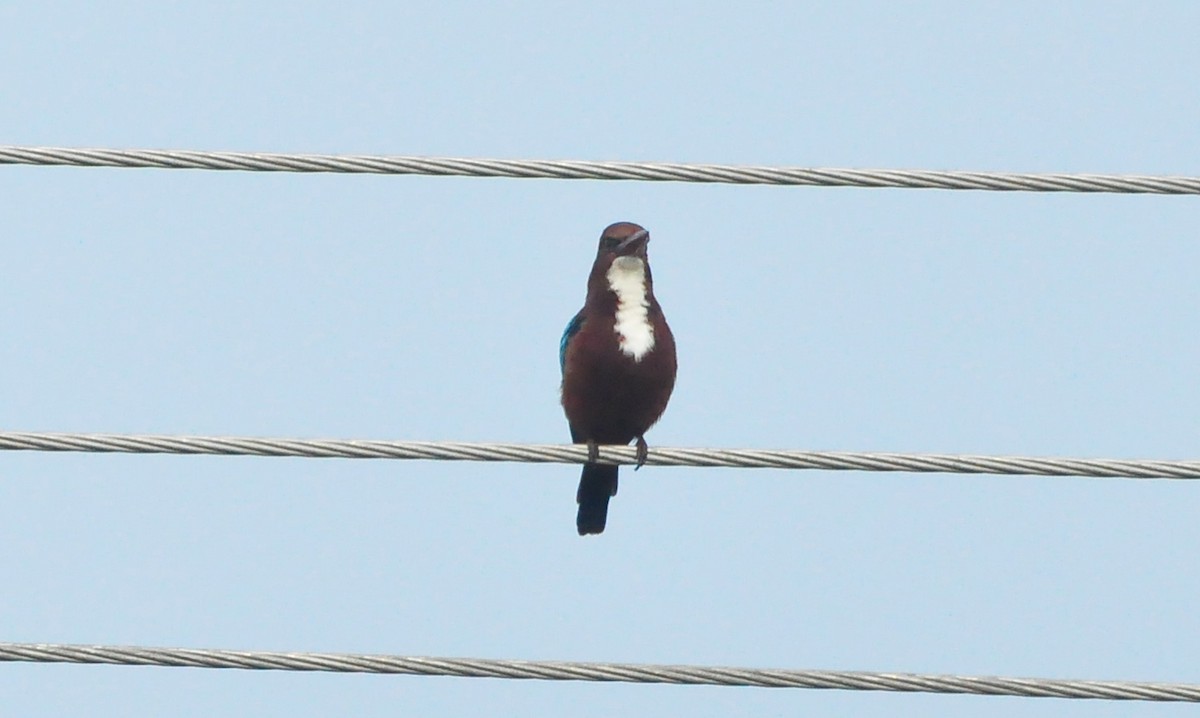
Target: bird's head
620	260
623	239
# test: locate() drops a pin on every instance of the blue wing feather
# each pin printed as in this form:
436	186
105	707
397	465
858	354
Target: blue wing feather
571	330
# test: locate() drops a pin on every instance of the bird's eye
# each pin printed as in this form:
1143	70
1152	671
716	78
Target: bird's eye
609	242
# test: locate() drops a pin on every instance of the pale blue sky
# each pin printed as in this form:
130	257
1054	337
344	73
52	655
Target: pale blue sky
430	308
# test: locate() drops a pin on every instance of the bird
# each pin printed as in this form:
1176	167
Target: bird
617	358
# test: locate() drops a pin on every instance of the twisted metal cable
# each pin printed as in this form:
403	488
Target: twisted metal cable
578	169
607	672
577	454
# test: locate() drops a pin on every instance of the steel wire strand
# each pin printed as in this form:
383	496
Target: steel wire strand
607	672
577	454
598	170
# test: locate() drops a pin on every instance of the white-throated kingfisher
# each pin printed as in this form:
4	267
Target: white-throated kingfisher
618	364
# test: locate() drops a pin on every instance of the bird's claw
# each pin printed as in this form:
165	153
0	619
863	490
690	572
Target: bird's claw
643	452
593	452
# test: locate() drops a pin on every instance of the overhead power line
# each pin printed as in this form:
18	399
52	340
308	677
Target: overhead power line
577	454
607	672
582	169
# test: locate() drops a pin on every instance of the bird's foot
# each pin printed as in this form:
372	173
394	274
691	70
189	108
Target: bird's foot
643	452
593	451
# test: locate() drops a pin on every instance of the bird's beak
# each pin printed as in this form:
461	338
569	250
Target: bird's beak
633	242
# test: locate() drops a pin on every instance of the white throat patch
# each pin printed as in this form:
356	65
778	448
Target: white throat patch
627	279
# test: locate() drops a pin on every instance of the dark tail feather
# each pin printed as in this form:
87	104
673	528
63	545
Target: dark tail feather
597	485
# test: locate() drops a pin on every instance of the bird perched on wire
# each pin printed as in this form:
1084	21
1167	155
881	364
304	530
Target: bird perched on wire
617	357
